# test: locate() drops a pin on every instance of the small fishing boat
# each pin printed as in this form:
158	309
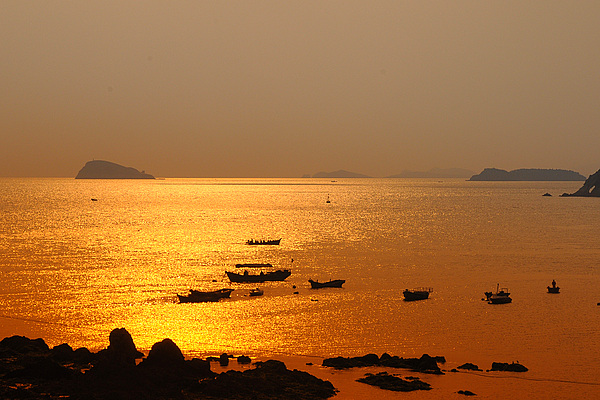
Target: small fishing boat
501	296
499	292
253	266
279	275
256	292
553	288
272	242
336	283
421	293
197	296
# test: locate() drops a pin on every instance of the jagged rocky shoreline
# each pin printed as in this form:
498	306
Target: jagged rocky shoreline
29	369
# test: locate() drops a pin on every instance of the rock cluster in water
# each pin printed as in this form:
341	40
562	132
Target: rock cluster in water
512	367
30	369
99	169
386	381
590	188
425	364
469	367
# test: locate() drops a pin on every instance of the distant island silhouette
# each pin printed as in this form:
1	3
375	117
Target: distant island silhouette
494	174
435	173
99	169
339	174
590	188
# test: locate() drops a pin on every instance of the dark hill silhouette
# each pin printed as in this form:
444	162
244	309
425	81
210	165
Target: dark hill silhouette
590	188
339	174
98	169
494	174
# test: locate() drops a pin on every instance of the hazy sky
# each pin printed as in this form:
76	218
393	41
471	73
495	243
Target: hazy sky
285	88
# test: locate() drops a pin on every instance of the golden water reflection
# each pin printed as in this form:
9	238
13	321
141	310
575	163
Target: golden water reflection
73	269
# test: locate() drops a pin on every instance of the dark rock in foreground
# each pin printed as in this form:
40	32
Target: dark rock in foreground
512	367
590	188
244	360
390	382
269	380
494	174
30	370
466	393
98	169
426	363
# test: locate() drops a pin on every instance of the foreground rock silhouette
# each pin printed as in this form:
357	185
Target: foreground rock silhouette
29	369
590	188
386	381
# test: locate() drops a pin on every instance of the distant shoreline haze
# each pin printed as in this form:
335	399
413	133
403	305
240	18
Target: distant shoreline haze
100	169
488	174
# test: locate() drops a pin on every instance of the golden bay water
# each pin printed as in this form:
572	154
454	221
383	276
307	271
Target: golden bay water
72	269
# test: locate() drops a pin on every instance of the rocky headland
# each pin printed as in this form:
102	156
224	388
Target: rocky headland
494	174
590	188
99	169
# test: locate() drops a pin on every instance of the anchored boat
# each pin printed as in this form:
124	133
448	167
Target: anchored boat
421	293
253	242
336	283
553	288
197	296
279	275
501	296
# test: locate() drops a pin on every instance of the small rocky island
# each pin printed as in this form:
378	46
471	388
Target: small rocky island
98	169
590	188
494	174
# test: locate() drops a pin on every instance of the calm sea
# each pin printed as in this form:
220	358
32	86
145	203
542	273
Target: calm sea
72	269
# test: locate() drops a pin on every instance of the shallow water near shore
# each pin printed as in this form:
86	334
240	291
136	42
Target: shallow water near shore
73	269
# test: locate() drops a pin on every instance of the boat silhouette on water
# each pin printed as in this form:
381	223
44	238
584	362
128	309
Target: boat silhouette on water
336	283
279	275
271	242
421	293
501	296
253	266
197	296
553	288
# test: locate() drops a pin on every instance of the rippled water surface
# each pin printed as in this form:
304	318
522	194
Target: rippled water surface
72	269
